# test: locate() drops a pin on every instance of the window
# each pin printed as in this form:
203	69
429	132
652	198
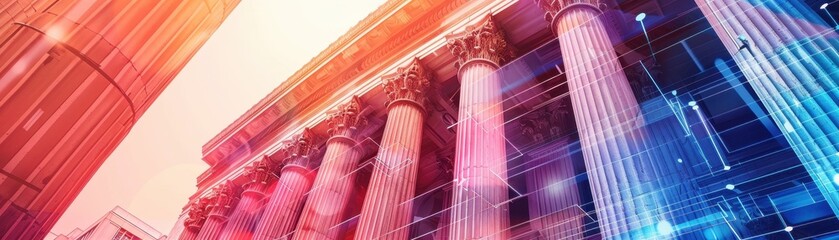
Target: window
124	235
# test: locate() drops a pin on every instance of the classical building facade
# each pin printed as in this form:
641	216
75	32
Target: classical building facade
75	75
546	119
117	224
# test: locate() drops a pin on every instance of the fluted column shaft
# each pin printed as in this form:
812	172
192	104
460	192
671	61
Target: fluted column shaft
197	216
388	205
330	194
283	210
224	199
281	214
213	227
442	231
479	206
554	198
180	226
387	209
620	171
242	220
788	54
189	234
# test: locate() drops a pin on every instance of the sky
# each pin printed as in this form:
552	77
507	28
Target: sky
153	171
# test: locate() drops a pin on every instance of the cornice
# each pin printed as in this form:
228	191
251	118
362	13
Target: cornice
383	41
317	63
420	35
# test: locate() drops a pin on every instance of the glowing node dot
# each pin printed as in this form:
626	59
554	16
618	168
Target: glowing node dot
640	17
788	229
692	103
836	179
726	168
664	228
679	160
729	186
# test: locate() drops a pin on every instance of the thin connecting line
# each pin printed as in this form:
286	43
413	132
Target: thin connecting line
749	160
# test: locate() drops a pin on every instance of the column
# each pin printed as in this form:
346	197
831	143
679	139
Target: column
224	197
388	205
296	177
445	214
479	209
626	195
324	208
243	219
788	54
552	195
197	216
180	226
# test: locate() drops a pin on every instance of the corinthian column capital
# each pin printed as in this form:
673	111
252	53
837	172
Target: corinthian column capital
540	126
554	8
197	214
301	148
225	196
260	172
484	40
408	83
346	119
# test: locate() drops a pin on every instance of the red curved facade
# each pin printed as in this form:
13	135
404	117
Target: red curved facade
75	75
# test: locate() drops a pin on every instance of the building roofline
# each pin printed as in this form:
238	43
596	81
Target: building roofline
318	62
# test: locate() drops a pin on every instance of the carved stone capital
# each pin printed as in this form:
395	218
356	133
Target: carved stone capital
345	120
225	196
484	40
543	125
260	172
554	8
446	163
304	144
197	213
408	83
302	148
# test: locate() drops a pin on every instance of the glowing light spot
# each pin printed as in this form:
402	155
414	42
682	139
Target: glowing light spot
56	33
679	160
664	228
674	93
788	127
823	6
18	68
640	17
836	179
726	168
692	103
557	189
729	186
788	229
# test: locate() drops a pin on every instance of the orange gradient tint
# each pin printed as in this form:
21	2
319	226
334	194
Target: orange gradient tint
75	75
